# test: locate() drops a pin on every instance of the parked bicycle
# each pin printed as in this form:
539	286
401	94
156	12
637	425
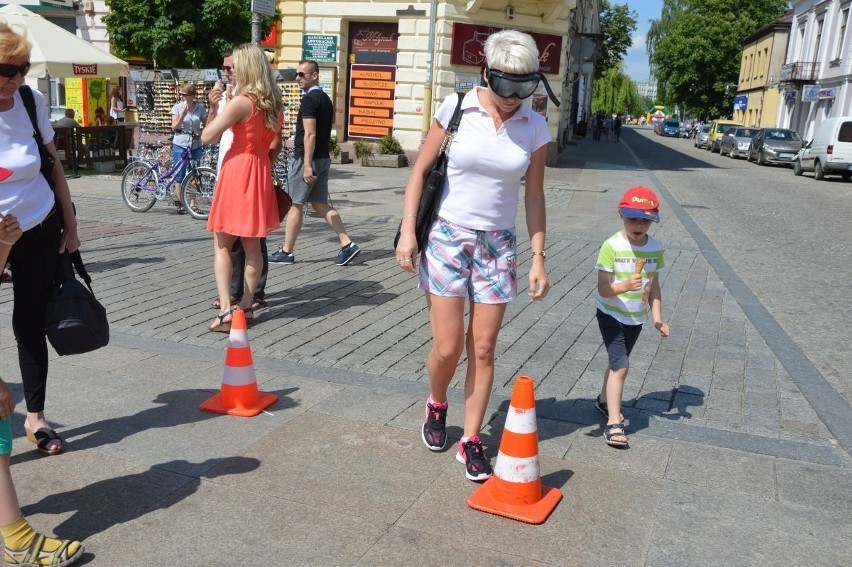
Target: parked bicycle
143	183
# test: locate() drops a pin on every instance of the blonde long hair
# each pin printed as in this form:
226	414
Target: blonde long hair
254	79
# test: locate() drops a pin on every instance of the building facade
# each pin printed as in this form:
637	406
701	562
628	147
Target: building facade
816	75
387	65
758	89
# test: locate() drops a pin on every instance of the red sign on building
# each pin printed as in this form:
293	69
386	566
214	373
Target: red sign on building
468	47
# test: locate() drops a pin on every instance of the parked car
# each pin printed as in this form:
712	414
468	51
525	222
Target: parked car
736	141
774	145
701	136
830	151
671	127
717	130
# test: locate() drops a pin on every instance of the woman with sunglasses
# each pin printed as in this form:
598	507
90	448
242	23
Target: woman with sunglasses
244	203
188	118
36	237
471	251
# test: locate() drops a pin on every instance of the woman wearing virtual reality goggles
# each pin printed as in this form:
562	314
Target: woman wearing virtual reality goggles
471	249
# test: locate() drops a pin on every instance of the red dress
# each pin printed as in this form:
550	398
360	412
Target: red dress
244	202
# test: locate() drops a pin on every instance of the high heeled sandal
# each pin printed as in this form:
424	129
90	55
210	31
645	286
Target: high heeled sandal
219	325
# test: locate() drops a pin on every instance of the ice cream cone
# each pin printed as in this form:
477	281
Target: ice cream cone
640	263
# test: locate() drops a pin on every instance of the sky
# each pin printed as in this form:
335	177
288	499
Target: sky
636	59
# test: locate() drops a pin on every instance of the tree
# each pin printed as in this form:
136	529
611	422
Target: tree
617	24
616	92
180	33
695	49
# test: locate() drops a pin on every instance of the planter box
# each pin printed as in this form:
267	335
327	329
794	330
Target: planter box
341	159
385	160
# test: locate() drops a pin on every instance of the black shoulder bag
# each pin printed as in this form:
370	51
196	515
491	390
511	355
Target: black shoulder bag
76	322
433	184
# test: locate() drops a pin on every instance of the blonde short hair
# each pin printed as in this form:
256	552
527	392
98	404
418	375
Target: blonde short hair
511	51
13	46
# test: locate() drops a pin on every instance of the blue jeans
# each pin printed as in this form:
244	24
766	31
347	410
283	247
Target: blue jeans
177	152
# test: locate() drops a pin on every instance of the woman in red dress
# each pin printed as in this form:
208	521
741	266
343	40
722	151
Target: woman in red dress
244	204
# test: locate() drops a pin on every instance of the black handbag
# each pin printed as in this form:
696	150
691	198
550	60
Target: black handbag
433	184
76	322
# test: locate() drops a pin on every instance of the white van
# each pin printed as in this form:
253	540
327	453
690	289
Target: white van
830	151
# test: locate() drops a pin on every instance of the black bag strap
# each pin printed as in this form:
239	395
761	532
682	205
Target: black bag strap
29	103
457	115
452	127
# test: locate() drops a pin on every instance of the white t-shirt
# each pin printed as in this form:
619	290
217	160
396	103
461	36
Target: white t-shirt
618	257
225	140
114	112
24	191
485	166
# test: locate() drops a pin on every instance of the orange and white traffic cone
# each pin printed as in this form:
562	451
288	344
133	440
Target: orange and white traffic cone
515	491
239	394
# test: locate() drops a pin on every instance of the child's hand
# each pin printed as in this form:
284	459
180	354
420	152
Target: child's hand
10	230
663	327
634	283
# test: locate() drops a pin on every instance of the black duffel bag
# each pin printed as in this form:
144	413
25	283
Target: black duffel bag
76	322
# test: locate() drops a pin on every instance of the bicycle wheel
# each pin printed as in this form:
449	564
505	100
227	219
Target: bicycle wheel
138	184
196	192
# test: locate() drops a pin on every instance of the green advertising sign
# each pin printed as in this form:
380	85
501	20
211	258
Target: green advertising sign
320	47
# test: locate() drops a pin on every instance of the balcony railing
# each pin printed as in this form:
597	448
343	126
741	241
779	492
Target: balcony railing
799	72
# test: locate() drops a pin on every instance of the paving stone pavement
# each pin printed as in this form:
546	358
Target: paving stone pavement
729	465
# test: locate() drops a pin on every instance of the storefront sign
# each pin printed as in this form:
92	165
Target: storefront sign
371	100
265	7
790	96
827	93
374	37
466	81
320	47
810	93
271	40
740	102
469	42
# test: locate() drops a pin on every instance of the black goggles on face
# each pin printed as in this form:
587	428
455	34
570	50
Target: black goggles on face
9	71
509	85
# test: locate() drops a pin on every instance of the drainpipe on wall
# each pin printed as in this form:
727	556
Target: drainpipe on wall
427	87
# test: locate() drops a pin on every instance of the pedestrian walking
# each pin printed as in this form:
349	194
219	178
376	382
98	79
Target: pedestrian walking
47	219
628	267
116	105
307	176
217	98
470	254
616	128
244	203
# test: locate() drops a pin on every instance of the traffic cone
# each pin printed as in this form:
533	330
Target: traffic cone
515	490
239	394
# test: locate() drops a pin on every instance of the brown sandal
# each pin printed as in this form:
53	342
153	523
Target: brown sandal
219	325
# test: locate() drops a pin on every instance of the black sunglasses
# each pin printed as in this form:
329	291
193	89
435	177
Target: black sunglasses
511	85
9	71
227	68
302	75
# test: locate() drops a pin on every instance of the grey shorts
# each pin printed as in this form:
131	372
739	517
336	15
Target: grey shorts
301	192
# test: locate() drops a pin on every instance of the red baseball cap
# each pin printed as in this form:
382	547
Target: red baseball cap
640	203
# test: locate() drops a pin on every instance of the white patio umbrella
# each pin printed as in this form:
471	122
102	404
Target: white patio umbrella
57	52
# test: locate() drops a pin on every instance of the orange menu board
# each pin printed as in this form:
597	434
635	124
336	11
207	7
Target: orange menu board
371	99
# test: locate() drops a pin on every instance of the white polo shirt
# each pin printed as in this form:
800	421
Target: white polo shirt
485	165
